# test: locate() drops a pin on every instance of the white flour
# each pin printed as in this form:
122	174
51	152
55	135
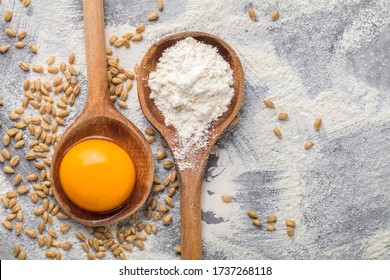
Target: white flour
366	27
192	87
346	102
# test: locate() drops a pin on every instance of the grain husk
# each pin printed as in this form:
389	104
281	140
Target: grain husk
24	66
72	58
7	225
23	189
119	43
252	14
80	236
308	145
16	250
31	233
139	244
290	231
122	104
226	198
112	39
33	48
10	32
290	223
4	48
275	15
65	227
38	68
14	161
277	132
168	200
150	131
317	123
160	5
21	34
168	164
270	227
282	116
137	37
152	16
150	139
26	3
51	253
271	219
252	214
177	249
7	15
18	228
53	70
127	36
32	177
22	255
167	219
8	169
268	103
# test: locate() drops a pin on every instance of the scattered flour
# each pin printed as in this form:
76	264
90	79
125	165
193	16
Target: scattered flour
366	27
192	87
378	247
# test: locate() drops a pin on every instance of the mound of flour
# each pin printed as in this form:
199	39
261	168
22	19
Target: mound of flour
192	87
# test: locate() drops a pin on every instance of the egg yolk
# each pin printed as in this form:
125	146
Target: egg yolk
97	175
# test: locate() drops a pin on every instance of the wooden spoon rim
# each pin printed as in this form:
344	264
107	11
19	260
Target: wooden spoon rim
120	213
154	115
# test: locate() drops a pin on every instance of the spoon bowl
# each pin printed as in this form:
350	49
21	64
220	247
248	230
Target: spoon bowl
149	64
121	132
100	119
190	179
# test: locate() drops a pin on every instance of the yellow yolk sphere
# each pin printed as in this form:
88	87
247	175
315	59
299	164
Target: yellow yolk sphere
97	175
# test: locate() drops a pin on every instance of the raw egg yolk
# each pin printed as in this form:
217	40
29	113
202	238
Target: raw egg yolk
97	175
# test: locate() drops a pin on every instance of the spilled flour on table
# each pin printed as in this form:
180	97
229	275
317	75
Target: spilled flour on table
320	59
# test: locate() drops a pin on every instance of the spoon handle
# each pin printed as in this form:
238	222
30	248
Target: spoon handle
95	49
191	228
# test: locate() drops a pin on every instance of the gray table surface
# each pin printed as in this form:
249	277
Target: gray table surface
338	193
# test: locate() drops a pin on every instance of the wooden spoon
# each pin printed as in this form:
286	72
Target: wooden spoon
190	179
101	119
